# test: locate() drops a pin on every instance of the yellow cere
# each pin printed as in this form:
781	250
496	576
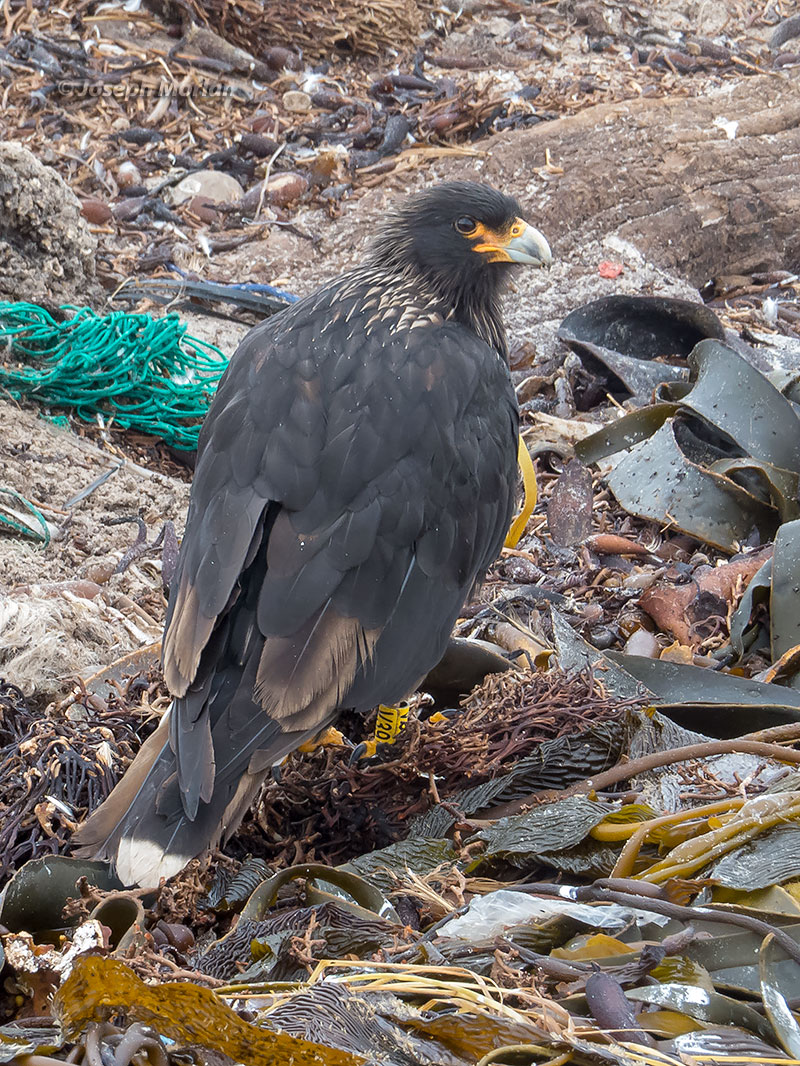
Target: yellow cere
492	244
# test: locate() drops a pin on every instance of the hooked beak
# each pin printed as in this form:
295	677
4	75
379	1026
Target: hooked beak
521	243
529	247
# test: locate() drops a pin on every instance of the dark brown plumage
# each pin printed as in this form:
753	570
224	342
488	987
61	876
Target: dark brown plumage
355	477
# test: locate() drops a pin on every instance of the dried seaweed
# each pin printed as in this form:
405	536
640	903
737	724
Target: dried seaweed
54	766
337	811
98	988
314	27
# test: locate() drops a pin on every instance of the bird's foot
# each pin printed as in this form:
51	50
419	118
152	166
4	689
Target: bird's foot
328	738
438	717
389	725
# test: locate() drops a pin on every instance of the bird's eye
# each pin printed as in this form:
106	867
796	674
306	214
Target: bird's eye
516	229
465	225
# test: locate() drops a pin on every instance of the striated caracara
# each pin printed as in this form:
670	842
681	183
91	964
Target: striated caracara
355	477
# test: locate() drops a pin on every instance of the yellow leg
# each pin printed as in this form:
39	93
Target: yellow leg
389	724
529	501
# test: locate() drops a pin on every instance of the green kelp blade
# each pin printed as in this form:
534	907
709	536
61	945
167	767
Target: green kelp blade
757	592
639	376
576	654
723	1045
683	683
626	432
725	720
368	898
765	481
419	855
774	993
554	827
655	480
770	859
34	899
785	599
703	1005
736	398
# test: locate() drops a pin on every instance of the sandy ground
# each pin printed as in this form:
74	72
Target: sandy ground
63	610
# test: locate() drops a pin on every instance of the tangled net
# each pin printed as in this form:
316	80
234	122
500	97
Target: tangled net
142	373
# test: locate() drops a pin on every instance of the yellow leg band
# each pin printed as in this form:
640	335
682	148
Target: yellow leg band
390	723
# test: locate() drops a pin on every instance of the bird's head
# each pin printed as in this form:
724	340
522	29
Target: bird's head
461	238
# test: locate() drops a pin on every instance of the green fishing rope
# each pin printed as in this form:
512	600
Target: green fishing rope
24	529
144	373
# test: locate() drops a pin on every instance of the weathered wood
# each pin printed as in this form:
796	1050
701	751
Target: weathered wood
701	186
